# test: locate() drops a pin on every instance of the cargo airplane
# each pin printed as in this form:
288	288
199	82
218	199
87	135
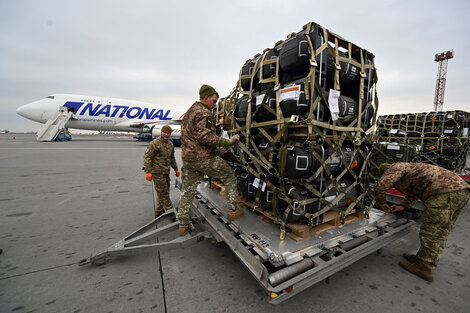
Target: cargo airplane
106	114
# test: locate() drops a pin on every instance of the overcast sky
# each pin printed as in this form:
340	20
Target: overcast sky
163	51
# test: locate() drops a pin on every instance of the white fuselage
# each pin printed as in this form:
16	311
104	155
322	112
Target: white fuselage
101	113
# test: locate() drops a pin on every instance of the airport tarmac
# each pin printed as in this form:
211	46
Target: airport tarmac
62	201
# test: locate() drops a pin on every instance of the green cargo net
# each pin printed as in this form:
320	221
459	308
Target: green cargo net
333	136
440	137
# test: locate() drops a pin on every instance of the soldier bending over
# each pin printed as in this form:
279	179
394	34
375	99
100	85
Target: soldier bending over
444	194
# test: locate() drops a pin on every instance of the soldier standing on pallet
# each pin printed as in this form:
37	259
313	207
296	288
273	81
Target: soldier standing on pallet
198	152
158	158
444	195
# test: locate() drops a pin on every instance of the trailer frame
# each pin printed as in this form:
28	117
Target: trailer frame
281	273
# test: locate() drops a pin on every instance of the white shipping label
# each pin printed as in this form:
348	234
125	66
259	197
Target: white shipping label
393	147
333	102
393	131
465	132
263	187
256	183
448	131
330	198
290	93
449	115
259	99
335	160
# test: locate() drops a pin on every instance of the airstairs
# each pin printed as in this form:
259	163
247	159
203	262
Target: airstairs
50	130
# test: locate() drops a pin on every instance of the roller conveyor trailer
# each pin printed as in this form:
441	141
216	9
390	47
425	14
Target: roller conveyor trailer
282	267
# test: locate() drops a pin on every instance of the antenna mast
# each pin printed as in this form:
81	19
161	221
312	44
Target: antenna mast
442	60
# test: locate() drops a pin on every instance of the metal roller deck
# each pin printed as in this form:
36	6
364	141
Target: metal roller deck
282	267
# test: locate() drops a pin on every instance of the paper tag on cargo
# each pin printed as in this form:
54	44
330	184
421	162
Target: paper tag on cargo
333	102
330	198
289	93
259	99
256	183
263	187
393	147
335	160
465	132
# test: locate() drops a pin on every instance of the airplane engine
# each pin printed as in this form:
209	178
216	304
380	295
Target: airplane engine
147	129
175	134
145	133
156	131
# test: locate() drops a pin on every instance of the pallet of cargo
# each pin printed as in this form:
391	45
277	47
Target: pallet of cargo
297	231
305	111
301	231
442	138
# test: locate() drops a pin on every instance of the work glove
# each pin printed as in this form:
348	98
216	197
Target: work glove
177	173
148	176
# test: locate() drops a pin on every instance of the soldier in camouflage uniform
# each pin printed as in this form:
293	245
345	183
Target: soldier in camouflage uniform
198	152
444	195
158	158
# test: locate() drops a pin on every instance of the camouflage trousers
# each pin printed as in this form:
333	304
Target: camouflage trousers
162	187
193	173
440	215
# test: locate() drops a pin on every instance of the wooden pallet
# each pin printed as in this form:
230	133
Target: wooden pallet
299	231
217	185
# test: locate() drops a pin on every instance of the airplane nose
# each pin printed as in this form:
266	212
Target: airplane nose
22	110
30	111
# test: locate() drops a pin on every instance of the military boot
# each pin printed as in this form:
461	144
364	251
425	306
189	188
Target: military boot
183	230
419	269
410	257
158	212
234	214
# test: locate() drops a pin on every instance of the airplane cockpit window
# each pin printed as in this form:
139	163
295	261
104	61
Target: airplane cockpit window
50	97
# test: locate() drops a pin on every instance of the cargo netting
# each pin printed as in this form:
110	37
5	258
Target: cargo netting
440	138
305	111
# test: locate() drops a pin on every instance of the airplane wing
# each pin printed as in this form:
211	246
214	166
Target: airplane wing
140	124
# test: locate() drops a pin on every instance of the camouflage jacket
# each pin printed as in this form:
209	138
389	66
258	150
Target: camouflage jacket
418	181
159	156
198	134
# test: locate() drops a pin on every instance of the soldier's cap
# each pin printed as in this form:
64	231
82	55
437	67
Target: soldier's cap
166	129
206	90
383	167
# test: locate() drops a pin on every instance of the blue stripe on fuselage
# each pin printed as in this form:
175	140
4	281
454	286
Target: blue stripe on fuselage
120	110
74	105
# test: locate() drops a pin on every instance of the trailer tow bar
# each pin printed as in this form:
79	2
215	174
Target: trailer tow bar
137	241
